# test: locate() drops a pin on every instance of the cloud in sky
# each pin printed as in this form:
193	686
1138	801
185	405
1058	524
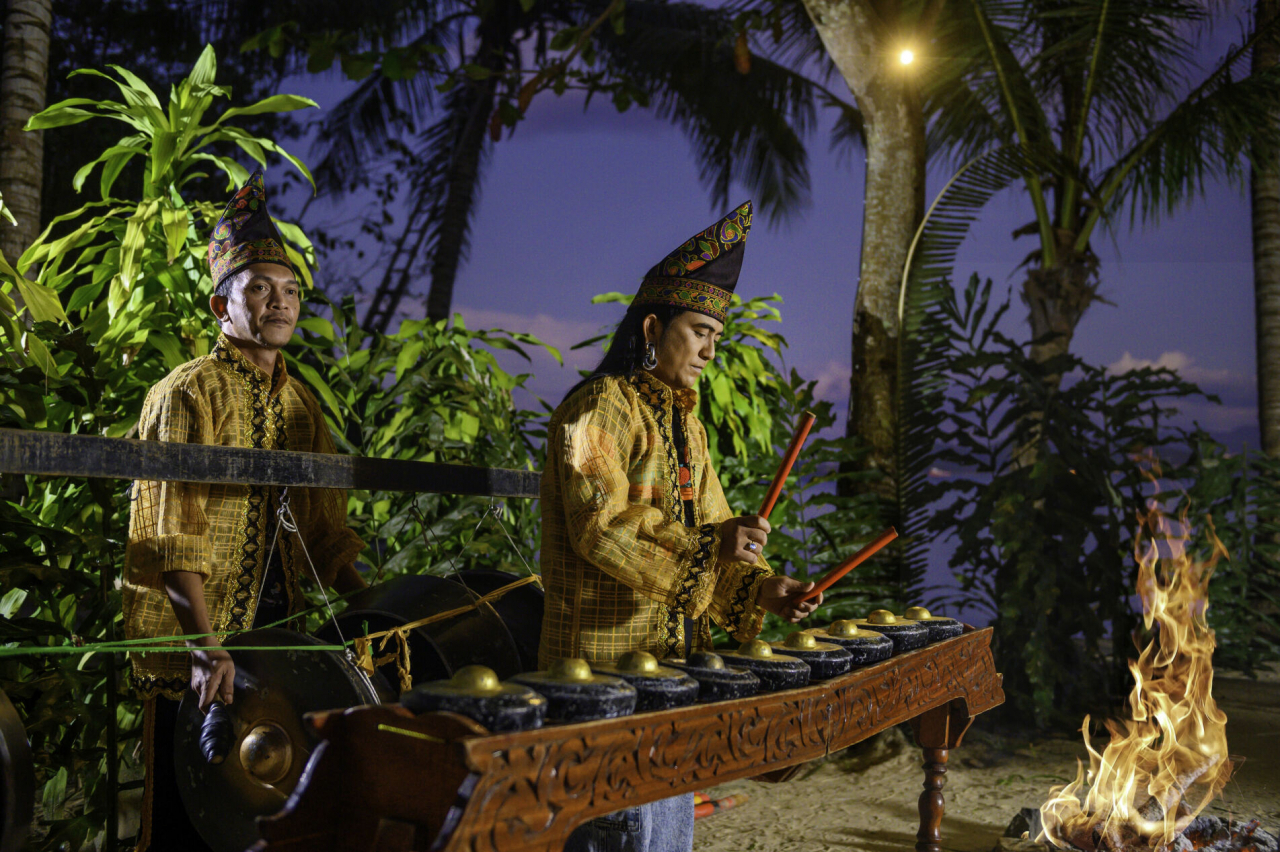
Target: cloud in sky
560	332
833	381
1239	411
1184	365
549	381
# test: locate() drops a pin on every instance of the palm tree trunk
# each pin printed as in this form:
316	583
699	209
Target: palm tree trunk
463	182
1265	197
1056	298
854	35
23	79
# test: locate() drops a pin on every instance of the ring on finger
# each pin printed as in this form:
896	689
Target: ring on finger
752	546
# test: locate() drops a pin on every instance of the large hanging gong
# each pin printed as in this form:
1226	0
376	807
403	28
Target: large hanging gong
476	636
17	779
269	742
520	610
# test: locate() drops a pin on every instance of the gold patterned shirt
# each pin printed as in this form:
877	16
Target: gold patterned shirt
621	567
221	531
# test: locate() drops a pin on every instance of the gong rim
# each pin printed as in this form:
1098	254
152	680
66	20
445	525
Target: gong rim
521	610
17	779
273	691
437	650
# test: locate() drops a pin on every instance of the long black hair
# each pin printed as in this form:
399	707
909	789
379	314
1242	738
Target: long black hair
626	350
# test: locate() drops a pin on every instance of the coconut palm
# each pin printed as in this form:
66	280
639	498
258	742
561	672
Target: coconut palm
441	117
22	95
1265	195
1095	94
882	110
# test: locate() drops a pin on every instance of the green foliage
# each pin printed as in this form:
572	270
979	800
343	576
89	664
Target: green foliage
1240	494
431	392
116	302
1045	545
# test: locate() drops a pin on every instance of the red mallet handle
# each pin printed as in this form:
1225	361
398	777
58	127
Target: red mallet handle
793	452
852	562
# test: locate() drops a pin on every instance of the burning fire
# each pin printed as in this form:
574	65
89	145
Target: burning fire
1169	761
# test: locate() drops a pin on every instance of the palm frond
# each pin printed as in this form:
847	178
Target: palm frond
848	132
355	132
787	35
925	305
1138	53
1018	95
743	127
1208	135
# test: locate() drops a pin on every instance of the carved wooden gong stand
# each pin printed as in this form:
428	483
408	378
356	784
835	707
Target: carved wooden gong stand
385	780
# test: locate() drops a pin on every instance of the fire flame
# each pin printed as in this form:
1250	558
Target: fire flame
1165	764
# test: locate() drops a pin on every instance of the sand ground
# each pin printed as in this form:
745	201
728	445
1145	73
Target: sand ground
864	799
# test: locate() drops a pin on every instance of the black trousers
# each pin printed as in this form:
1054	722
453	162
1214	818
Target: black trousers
165	825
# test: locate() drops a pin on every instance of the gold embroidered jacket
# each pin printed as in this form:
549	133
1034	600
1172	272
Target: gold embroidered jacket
220	531
620	567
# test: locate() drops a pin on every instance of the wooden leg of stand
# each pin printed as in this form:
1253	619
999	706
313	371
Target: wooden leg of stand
932	804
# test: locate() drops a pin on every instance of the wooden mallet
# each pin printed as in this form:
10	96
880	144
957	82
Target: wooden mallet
788	459
852	562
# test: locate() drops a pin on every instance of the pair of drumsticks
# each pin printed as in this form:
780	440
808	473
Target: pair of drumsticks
775	490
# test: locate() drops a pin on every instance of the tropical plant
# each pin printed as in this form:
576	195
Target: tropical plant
162	37
434	392
115	300
1092	93
1045	550
435	113
1236	497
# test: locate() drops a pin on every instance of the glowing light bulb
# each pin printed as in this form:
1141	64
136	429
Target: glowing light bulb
906	57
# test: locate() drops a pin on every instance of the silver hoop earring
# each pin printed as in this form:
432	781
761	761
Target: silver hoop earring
650	356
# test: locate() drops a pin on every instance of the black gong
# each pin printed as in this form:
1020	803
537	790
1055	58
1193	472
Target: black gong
475	637
269	742
17	779
520	610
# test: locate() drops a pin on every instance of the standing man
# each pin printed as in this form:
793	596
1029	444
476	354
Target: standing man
198	555
640	550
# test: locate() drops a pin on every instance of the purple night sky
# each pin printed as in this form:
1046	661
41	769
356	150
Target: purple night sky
576	204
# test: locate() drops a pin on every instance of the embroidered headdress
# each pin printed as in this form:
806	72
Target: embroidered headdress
245	234
701	274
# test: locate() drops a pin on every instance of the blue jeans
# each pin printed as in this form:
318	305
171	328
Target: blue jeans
662	826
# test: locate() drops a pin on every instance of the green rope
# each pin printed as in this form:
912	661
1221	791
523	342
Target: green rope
118	647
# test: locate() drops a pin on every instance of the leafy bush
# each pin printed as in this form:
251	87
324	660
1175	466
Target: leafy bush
1239	494
117	300
1043	503
431	392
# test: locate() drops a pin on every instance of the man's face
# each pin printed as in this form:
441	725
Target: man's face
262	307
685	346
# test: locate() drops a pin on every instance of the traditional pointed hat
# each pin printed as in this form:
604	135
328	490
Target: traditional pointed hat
245	234
702	273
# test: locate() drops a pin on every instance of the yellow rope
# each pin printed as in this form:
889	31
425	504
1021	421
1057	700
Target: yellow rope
364	644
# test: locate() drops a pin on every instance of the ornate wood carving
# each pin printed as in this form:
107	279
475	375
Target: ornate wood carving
529	790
